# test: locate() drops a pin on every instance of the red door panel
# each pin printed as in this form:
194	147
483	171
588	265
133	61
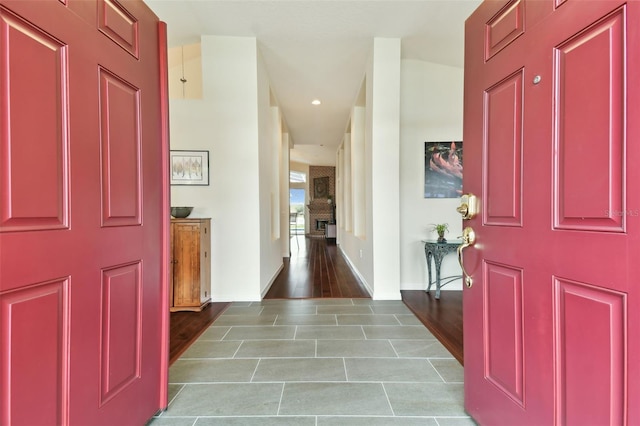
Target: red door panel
579	117
121	334
590	320
503	152
120	136
24	336
117	23
504	27
82	215
504	344
551	322
35	61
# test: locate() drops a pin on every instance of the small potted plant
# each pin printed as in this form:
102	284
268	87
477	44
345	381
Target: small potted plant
441	228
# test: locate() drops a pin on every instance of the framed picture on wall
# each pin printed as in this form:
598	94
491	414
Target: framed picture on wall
443	169
321	187
189	167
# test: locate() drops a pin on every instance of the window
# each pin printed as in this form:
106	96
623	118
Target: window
296	200
297	177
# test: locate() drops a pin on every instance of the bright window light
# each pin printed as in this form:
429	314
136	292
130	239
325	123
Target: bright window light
297	177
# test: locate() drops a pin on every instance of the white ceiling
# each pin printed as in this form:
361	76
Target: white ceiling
319	49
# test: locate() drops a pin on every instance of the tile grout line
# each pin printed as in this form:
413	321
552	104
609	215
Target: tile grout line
281	397
394	348
434	367
298	321
384	389
225	334
346	374
237	350
255	370
173	399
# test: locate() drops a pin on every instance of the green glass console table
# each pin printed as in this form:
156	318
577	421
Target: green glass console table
437	251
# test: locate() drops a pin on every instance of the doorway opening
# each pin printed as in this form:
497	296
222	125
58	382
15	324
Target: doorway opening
297	226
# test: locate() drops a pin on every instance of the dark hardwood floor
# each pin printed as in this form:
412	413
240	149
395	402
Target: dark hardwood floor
315	270
186	327
442	317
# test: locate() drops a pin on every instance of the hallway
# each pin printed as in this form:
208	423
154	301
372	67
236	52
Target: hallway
315	269
315	361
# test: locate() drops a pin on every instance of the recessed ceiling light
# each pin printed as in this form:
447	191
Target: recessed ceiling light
316	102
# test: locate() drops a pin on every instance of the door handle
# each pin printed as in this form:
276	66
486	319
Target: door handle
468	239
468	206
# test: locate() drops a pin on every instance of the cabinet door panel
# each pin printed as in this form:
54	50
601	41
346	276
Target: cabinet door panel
190	247
186	266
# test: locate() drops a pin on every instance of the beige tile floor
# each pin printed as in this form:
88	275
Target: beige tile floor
317	362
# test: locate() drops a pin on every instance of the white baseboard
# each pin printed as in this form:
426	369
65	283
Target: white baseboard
230	297
387	296
356	272
271	281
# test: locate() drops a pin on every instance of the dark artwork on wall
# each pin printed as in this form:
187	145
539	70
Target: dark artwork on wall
442	169
321	187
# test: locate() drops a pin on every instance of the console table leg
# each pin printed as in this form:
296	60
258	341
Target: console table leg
437	250
438	263
429	256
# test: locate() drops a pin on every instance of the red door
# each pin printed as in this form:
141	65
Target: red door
551	131
82	303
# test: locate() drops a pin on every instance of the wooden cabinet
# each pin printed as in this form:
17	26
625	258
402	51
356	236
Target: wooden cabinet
190	264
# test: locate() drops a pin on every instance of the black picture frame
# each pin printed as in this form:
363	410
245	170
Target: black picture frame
189	167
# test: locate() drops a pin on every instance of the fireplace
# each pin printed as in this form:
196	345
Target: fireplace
320	214
321	224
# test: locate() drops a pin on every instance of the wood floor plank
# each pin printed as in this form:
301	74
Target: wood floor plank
186	327
316	270
443	317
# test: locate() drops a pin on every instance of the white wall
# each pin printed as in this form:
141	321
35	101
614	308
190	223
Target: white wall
431	110
384	108
408	102
358	171
375	254
185	72
285	241
231	122
358	250
269	145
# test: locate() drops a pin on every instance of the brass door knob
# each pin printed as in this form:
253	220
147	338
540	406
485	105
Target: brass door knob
463	209
468	239
469	206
